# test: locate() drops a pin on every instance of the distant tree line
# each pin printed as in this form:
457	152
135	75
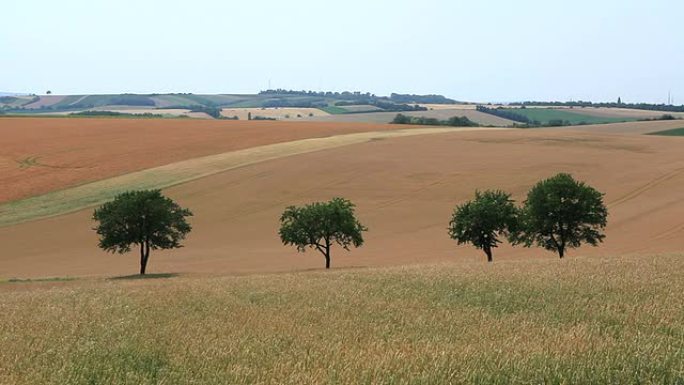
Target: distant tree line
289	103
456	121
323	94
115	114
425	99
506	114
636	106
214	112
357	97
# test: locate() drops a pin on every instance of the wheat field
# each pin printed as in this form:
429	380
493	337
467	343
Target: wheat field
538	321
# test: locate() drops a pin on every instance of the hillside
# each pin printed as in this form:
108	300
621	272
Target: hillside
405	188
264	99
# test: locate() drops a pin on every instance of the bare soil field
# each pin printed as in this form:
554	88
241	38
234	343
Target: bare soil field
405	189
442	113
277	113
39	155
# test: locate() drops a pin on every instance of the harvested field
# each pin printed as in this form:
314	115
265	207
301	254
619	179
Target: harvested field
39	155
405	189
361	108
277	113
46	101
89	194
578	321
443	114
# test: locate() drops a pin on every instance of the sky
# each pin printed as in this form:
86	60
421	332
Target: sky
484	51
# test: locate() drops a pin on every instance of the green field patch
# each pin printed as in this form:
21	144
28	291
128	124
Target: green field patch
547	115
334	110
671	132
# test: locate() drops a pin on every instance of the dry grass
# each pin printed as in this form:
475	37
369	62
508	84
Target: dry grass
578	321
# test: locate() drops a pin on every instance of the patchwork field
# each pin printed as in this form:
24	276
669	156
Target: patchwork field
441	113
276	113
39	155
405	188
579	321
545	115
623	113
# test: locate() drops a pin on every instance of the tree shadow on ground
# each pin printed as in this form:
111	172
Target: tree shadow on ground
146	276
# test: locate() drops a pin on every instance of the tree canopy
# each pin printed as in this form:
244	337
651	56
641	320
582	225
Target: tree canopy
562	213
320	225
145	218
482	221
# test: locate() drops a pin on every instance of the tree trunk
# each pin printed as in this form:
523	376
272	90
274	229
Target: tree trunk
327	254
561	252
488	251
144	256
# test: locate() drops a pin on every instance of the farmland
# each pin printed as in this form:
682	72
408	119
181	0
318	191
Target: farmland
581	321
235	306
40	155
441	113
405	188
671	132
275	113
546	115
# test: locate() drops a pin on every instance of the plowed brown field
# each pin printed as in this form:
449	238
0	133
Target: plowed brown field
38	155
405	189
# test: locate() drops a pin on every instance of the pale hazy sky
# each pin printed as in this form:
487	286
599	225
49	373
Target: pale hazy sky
468	50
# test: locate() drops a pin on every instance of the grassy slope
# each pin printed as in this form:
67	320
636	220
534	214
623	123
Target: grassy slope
672	132
544	115
578	321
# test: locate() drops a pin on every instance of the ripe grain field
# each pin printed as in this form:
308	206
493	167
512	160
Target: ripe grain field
543	321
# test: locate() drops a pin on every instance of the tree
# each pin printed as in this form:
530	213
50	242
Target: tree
320	225
483	220
619	100
48	92
145	218
562	213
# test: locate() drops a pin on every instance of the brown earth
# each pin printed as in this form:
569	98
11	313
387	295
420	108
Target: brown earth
39	155
405	189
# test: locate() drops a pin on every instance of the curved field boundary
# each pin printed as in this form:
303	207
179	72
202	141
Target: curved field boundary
90	194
